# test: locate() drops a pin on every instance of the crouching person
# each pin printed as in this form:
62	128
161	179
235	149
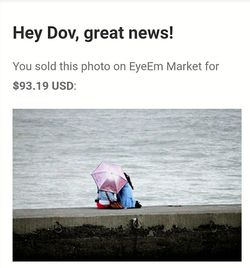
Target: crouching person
125	196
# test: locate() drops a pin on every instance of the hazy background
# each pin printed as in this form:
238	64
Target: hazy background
174	157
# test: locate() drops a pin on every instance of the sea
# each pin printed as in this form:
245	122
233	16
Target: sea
173	156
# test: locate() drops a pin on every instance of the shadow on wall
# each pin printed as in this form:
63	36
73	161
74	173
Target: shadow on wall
96	243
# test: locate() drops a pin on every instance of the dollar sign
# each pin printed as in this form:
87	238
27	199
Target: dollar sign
15	85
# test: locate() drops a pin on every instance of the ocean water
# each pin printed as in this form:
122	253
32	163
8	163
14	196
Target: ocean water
174	157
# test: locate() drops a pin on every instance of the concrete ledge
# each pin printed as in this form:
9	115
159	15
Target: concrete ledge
30	220
188	233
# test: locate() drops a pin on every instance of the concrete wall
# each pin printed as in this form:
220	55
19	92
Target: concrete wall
193	233
27	221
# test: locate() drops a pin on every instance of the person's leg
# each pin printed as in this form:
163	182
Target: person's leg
102	206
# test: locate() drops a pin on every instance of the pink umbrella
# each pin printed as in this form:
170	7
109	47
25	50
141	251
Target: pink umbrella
109	177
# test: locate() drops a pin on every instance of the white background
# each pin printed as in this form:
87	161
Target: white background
203	31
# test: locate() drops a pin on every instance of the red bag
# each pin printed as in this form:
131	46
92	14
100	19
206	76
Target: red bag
114	204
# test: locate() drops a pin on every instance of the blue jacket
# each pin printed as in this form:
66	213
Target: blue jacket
102	195
125	196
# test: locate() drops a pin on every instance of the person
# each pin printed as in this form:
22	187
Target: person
104	198
125	196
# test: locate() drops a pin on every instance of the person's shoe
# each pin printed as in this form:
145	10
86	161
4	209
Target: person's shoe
138	204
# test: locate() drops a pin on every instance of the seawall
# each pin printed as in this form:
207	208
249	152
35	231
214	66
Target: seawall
150	233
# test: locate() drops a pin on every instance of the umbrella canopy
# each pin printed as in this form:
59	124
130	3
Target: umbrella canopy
109	177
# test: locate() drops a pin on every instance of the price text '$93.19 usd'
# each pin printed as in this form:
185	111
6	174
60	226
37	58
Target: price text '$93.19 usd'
44	85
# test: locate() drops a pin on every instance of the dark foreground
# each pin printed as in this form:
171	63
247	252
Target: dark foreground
96	243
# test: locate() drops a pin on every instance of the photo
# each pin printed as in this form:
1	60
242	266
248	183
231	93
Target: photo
127	185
